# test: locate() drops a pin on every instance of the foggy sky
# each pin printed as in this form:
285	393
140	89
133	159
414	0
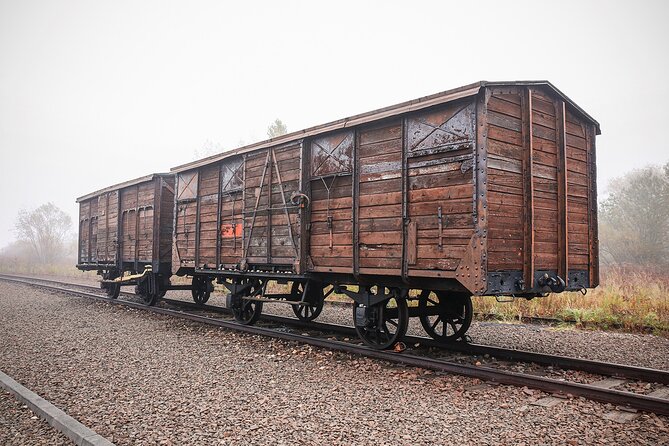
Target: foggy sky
97	92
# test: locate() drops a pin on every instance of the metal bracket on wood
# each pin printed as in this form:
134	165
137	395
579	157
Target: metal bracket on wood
440	218
366	297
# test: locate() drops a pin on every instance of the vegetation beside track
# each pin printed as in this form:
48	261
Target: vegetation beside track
634	300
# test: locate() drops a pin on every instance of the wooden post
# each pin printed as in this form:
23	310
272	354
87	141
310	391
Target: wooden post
243	209
107	195
406	257
219	216
155	227
90	229
593	233
268	228
137	229
197	221
562	191
355	185
119	233
304	212
481	188
528	190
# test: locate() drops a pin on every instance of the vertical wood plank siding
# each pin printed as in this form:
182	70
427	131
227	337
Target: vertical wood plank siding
497	182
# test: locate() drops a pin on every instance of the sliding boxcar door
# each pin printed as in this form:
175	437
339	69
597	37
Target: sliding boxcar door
440	151
379	206
331	169
271	233
231	212
207	239
187	185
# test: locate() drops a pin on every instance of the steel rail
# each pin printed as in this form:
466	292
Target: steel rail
618	397
564	362
539	320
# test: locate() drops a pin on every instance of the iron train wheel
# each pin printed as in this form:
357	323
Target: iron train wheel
453	318
311	311
199	291
113	290
248	312
150	299
148	289
387	323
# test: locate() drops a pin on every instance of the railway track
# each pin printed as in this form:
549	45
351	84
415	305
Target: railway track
545	371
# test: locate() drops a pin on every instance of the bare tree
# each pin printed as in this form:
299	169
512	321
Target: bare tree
208	149
45	229
634	219
277	128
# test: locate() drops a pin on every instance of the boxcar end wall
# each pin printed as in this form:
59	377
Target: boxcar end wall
128	226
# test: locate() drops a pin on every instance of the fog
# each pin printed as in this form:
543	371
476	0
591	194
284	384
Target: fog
95	93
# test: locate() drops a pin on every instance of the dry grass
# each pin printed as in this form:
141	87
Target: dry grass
59	270
631	299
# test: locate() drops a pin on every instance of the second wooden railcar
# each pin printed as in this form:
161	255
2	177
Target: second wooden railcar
127	228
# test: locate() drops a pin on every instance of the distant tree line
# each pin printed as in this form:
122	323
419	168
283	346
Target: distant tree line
634	219
44	238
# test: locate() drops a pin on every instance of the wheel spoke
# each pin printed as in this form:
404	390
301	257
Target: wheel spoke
384	328
436	321
455	313
386	321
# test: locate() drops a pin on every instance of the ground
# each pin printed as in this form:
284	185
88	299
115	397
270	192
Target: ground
138	378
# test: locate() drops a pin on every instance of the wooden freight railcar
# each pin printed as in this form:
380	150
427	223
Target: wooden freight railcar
488	189
125	233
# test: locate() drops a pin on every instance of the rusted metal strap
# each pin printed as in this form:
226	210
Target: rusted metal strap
440	219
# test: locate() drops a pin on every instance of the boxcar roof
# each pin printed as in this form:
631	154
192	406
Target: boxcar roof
118	186
393	110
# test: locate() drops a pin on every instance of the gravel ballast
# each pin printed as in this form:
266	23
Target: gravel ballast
138	378
20	426
643	350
